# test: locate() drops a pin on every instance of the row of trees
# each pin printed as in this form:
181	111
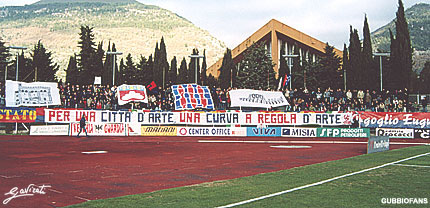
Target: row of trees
86	65
38	67
363	68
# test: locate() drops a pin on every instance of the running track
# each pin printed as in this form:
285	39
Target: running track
143	164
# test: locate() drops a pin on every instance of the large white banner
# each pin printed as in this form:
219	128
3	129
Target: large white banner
198	118
31	94
257	98
131	93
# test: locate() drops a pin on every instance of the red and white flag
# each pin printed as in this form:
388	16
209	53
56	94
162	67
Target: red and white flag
131	93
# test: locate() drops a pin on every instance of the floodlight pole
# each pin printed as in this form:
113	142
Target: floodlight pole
290	56
17	57
197	57
380	65
113	53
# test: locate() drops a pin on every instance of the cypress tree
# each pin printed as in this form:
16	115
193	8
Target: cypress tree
211	81
107	68
204	70
401	53
87	55
129	72
425	79
227	67
121	78
140	68
149	71
72	71
156	67
42	64
183	73
370	72
345	67
115	58
355	77
164	65
25	69
98	60
173	72
4	55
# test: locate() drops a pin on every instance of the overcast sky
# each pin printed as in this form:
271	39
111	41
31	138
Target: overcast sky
232	21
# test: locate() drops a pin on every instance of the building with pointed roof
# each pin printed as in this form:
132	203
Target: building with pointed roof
276	36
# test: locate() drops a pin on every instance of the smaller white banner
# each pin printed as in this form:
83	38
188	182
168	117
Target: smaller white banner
100	129
395	133
257	98
31	94
97	80
211	131
131	93
55	130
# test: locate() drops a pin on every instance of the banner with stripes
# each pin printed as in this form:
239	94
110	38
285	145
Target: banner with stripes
192	96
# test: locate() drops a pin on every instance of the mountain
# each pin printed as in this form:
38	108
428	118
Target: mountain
418	17
134	28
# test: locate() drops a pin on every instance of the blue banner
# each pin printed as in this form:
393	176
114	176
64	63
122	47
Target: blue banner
264	132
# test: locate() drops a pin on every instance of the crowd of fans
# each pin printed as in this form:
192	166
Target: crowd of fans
350	100
104	97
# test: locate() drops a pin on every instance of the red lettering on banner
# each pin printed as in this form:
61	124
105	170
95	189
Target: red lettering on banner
189	117
51	115
293	118
197	118
92	117
274	118
248	118
67	115
260	118
59	116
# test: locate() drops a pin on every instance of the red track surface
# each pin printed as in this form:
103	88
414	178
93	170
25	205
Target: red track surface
143	164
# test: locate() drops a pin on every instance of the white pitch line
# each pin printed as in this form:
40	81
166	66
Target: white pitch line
7	177
75	171
319	183
53	190
418	166
81	198
304	142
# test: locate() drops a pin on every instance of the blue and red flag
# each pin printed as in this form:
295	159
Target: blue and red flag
192	96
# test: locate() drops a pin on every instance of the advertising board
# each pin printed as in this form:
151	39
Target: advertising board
298	132
54	130
159	131
378	144
100	129
343	132
264	132
395	133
